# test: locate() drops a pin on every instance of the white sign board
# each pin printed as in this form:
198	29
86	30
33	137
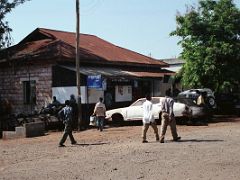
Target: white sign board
123	93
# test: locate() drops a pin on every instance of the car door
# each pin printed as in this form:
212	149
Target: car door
135	111
156	107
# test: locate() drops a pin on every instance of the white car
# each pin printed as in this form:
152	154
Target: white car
135	112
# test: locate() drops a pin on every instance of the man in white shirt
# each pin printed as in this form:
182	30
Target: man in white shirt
148	119
168	118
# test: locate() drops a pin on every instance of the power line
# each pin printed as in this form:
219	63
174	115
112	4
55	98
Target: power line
90	7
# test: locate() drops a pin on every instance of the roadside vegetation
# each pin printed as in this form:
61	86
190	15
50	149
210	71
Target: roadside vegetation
6	7
210	38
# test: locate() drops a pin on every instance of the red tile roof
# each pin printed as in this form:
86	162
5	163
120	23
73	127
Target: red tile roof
90	46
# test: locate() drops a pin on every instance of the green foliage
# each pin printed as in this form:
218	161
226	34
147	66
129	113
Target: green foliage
210	38
6	6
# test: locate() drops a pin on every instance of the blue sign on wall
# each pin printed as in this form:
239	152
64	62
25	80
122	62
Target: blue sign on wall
94	81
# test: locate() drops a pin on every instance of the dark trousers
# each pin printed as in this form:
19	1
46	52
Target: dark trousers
100	122
67	132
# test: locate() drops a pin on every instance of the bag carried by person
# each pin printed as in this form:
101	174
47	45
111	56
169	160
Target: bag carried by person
92	121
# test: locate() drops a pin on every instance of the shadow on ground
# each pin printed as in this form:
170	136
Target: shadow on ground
200	140
210	120
91	144
224	118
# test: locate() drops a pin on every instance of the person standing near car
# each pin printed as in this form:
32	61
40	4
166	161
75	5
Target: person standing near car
100	113
148	119
168	118
66	114
74	105
201	99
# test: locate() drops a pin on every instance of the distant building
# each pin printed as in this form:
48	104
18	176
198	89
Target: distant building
175	65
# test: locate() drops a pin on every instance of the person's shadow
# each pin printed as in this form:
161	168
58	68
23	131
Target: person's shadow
91	144
200	140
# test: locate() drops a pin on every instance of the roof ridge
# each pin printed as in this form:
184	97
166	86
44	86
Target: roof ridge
69	32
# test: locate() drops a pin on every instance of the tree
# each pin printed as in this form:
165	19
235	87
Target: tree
6	6
210	38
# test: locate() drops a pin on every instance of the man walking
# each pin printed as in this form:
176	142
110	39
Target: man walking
67	114
148	119
100	112
168	118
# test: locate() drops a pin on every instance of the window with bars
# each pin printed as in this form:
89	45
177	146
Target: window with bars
29	92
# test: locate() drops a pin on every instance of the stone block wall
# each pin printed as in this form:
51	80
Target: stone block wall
11	86
32	129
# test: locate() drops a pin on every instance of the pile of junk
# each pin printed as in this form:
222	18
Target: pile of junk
48	115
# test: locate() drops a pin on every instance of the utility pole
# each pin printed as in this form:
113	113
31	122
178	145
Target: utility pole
78	67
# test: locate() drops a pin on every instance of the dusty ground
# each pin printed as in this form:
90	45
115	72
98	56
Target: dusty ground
205	152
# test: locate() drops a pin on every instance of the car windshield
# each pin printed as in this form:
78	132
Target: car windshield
189	95
138	102
187	101
141	101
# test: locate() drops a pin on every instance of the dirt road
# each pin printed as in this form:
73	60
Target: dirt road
205	152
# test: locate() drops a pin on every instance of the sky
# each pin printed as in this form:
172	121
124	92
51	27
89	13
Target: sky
142	26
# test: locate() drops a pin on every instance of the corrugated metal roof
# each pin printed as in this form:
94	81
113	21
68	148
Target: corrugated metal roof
174	68
173	61
174	64
114	72
91	45
34	48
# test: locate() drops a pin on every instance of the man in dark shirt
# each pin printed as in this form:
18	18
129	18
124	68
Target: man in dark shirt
66	114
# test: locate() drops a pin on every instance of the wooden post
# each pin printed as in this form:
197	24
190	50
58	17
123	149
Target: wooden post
78	67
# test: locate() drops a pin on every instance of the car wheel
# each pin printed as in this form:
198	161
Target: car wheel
117	119
211	101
